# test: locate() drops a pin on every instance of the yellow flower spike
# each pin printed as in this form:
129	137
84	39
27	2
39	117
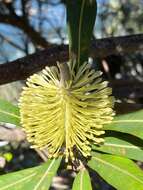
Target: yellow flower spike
62	111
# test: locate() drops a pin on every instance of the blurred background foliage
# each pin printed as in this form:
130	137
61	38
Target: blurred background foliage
27	26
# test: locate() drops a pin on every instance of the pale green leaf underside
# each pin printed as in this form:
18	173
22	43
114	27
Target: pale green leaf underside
82	181
131	123
9	113
121	147
36	178
120	172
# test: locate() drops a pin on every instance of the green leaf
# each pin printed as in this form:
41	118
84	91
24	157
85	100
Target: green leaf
82	181
9	113
123	147
131	123
80	13
120	172
36	178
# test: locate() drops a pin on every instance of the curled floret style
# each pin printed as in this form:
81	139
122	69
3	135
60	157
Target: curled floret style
66	111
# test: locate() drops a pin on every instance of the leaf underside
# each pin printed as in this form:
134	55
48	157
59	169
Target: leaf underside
131	123
120	172
123	145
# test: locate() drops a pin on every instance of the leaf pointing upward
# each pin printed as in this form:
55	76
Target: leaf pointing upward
79	14
82	181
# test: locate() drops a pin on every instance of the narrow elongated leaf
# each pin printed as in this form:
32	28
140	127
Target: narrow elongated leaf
131	123
120	172
36	178
79	14
122	147
82	181
9	113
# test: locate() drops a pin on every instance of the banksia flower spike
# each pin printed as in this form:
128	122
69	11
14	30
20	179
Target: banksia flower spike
62	110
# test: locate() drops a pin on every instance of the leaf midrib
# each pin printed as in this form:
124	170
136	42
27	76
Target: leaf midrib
81	179
122	146
79	32
119	169
8	113
128	121
19	181
44	175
